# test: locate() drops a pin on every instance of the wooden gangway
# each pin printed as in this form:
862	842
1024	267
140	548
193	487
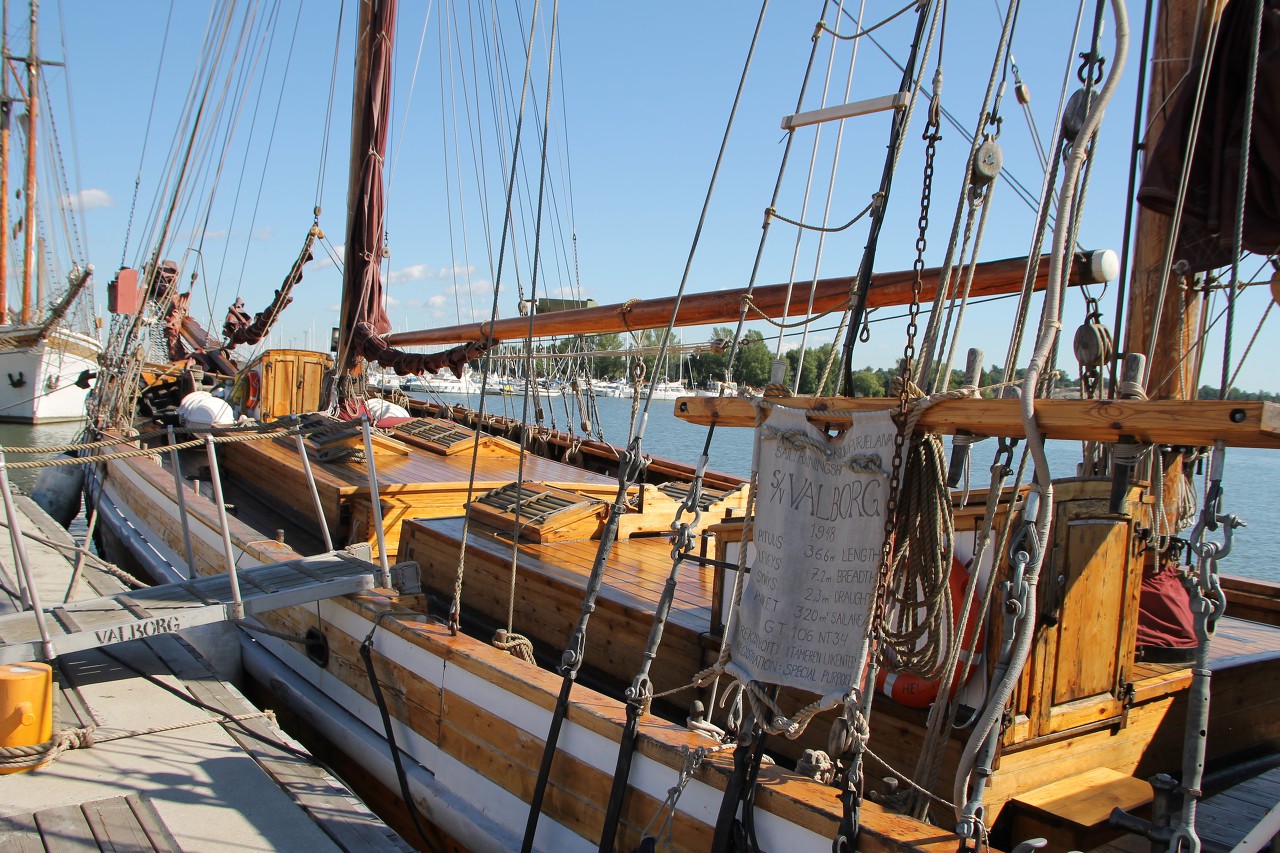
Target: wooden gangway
167	609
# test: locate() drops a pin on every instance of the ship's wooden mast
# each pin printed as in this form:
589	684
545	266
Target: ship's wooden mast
5	110
29	218
1172	371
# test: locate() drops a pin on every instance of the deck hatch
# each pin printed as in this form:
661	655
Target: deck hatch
447	438
547	514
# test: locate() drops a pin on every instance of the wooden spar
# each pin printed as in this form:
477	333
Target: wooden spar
1178	422
993	278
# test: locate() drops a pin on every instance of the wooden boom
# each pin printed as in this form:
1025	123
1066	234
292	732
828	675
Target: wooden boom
1194	423
993	278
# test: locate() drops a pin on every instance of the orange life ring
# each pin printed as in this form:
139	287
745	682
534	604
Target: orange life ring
253	389
916	692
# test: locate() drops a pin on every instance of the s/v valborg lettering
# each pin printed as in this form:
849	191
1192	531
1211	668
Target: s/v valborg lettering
818	533
149	628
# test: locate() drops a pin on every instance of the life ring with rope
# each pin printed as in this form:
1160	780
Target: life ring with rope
253	389
913	691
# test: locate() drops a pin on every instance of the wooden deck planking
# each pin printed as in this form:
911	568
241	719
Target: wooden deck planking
422	467
635	573
620	626
20	834
1224	819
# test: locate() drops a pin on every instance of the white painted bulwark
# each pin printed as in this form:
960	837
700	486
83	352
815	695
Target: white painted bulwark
38	380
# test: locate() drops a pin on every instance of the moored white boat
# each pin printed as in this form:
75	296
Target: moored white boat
45	381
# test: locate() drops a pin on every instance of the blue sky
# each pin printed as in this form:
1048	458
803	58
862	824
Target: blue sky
642	92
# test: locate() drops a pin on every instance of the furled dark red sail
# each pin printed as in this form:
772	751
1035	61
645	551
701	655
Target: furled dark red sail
1209	216
363	317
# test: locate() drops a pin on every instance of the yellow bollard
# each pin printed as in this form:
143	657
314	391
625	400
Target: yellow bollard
26	706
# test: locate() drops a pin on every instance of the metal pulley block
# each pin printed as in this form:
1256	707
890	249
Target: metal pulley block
1093	343
987	161
1073	116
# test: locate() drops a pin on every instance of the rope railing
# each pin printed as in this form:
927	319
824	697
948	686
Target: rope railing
225	438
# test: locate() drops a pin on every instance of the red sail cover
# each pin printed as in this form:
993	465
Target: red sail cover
1208	220
1164	611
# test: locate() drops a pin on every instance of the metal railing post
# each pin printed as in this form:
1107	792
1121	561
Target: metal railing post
32	595
182	503
237	606
384	579
311	484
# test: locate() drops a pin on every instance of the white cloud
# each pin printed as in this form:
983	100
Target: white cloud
88	200
566	291
264	234
463	301
416	272
323	259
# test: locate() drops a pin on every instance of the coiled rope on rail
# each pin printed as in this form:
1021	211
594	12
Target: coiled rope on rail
14	758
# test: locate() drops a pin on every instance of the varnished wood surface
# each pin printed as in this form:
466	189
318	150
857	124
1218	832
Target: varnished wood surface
634	574
1195	423
421	467
775	300
1252	599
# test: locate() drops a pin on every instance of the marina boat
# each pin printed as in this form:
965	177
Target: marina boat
441	384
665	390
558	621
48	348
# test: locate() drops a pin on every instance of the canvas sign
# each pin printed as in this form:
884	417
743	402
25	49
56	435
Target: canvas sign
818	534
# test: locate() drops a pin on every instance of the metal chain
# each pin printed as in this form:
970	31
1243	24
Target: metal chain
852	719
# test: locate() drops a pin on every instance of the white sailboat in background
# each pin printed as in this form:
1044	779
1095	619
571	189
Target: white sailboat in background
49	351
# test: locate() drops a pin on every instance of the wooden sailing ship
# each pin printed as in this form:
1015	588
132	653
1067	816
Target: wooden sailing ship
497	737
48	349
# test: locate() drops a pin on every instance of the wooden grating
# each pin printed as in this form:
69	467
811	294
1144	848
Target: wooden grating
447	438
545	513
350	435
709	497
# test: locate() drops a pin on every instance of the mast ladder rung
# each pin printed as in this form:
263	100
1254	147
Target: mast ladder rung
896	101
169	608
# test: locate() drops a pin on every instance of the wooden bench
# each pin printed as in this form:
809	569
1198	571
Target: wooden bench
1072	813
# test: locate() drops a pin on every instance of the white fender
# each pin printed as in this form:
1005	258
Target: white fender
200	410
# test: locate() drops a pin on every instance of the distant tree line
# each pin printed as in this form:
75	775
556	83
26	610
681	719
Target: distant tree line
752	364
1208	392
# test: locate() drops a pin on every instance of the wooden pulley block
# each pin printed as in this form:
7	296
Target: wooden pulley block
987	161
1275	287
1093	344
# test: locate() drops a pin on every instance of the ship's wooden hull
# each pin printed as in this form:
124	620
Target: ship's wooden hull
474	719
